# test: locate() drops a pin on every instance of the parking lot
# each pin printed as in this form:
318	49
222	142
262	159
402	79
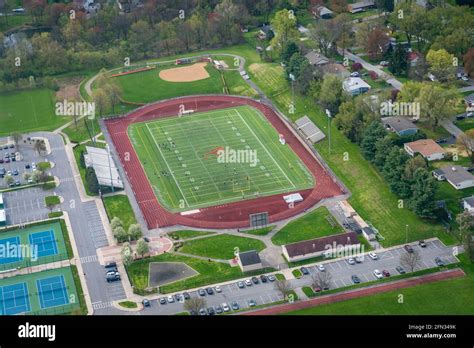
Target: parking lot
341	273
16	166
26	205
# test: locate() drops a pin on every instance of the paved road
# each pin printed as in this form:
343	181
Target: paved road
87	228
341	272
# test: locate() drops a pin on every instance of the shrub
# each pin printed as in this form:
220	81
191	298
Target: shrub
356	67
373	75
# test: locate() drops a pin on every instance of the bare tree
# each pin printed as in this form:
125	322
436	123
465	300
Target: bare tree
195	304
321	280
465	144
284	287
39	146
17	137
410	260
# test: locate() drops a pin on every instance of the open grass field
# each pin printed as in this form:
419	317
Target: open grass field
147	86
187	234
313	225
183	162
222	246
119	206
371	196
427	299
28	110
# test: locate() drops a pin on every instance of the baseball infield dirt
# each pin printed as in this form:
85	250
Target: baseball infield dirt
188	73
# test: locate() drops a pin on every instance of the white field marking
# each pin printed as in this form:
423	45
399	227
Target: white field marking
266	150
171	172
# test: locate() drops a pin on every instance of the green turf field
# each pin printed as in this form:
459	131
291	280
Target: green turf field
23	235
147	86
180	160
71	301
28	110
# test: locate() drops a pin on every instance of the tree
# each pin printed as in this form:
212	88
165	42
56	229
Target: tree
385	5
372	134
468	60
382	148
339	6
9	180
331	94
289	49
17	137
465	143
126	253
410	260
39	146
142	247
466	224
412	165
284	287
321	280
92	181
284	25
423	189
101	100
120	234
116	222
393	170
320	32
441	64
398	61
141	39
297	65
134	232
436	103
377	43
195	304
26	176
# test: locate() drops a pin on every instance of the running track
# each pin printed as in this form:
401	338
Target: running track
232	215
351	294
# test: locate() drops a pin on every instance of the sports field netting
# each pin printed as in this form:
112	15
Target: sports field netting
216	157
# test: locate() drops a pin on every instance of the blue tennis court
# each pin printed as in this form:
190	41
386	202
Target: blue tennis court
10	250
14	299
46	243
52	291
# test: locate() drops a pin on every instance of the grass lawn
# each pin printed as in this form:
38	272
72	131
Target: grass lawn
209	272
222	246
438	133
119	206
128	304
418	300
310	226
180	159
186	234
28	110
261	231
371	196
9	22
466	124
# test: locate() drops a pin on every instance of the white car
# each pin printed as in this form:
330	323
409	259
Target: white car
218	288
33	166
321	268
248	282
378	274
170	299
464	78
351	261
225	307
373	255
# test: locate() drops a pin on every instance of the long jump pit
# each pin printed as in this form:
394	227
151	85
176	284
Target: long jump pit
189	73
160	124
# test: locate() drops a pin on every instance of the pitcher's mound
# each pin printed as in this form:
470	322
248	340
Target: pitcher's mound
188	73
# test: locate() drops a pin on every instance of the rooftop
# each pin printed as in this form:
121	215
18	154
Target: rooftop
456	174
320	244
425	147
398	124
316	58
250	257
469	200
100	160
354	83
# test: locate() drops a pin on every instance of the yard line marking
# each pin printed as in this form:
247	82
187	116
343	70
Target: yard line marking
171	172
266	150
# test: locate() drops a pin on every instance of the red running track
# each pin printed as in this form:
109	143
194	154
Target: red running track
232	215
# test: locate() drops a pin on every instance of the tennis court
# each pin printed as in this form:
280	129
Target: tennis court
52	291
14	299
9	250
46	243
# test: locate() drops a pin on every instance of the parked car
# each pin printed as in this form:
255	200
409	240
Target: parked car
359	259
384	63
400	269
179	298
146	303
263	278
321	268
252	303
373	255
271	278
202	311
304	270
378	274
248	282
351	261
186	295
255	280
422	243
112	277
317	289
218	289
408	248
386	273
355	74
211	311
170	299
241	285
439	262
235	306
210	291
111	264
27	166
225	307
355	279
219	309
201	292
162	300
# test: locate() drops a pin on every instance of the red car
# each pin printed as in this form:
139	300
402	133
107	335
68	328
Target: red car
386	273
317	289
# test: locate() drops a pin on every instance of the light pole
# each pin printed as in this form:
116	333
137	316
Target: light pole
406	233
328	113
292	78
110	168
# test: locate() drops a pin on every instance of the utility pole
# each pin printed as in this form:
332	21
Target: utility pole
328	113
110	168
292	78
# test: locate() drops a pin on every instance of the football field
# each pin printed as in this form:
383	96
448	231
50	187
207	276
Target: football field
211	158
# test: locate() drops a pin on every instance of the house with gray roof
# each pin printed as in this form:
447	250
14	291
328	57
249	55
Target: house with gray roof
457	176
400	125
468	204
316	59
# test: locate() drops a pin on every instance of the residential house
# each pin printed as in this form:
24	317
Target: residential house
426	148
322	12
400	125
321	246
249	261
361	6
413	58
355	86
468	204
469	100
334	69
457	176
316	59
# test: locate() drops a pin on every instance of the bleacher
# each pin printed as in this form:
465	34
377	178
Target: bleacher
309	130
